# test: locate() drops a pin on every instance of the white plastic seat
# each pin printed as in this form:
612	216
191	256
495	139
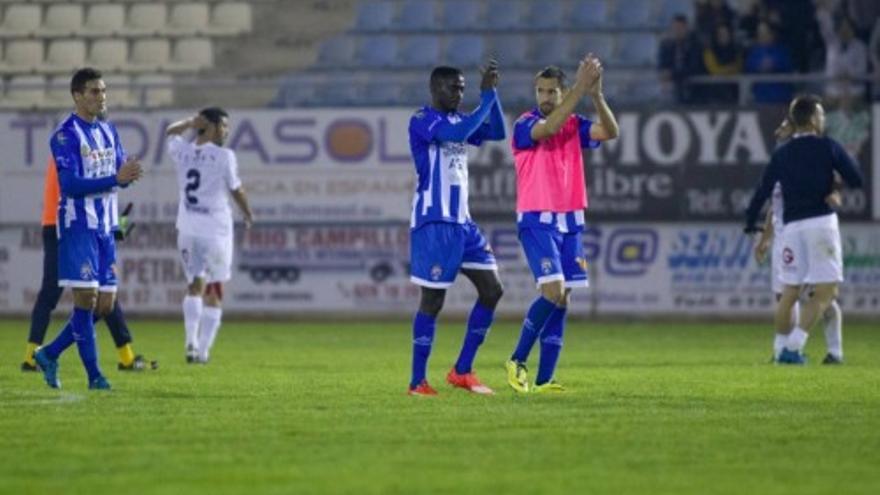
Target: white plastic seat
192	54
150	54
63	56
21	20
62	19
119	92
22	56
146	19
24	92
58	92
158	92
188	19
109	54
231	18
104	19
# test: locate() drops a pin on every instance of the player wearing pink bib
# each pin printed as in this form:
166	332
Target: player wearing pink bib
551	197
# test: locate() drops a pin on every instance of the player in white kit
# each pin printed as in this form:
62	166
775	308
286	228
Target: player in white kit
207	173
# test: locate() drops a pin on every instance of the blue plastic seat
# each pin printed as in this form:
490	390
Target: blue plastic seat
547	49
378	51
671	8
503	14
588	14
462	14
511	50
635	13
544	14
418	51
374	15
336	52
465	50
600	45
417	15
638	49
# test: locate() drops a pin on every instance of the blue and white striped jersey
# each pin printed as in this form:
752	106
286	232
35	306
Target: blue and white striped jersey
441	167
88	156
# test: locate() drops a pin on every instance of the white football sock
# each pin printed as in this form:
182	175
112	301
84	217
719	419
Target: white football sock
778	344
797	339
192	313
833	321
208	328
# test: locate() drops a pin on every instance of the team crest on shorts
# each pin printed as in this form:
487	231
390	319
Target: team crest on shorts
787	256
85	271
436	271
581	262
546	266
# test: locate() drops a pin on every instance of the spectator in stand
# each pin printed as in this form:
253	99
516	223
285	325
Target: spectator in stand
767	56
680	57
794	23
710	15
863	14
846	58
723	57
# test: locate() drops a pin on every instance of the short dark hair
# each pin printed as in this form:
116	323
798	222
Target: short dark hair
442	72
552	72
213	115
82	77
803	109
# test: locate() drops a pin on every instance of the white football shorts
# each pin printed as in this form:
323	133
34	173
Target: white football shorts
208	258
811	251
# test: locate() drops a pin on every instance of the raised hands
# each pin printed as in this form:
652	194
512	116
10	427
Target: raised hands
589	75
490	75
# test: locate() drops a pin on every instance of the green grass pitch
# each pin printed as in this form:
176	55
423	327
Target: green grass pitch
302	408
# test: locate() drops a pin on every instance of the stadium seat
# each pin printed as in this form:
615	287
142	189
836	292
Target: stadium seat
503	14
373	15
465	50
62	19
230	19
638	49
157	90
146	19
119	91
110	54
635	13
415	93
22	56
549	49
336	52
58	92
192	54
419	51
589	13
379	91
187	19
601	45
378	51
20	20
417	15
149	54
104	19
63	56
671	8
511	50
546	14
462	14
24	92
336	92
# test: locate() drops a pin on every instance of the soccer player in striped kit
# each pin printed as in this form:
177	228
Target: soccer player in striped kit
551	196
91	164
443	238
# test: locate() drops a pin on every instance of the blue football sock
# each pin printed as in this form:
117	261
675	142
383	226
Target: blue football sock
423	339
551	345
84	333
61	342
478	326
534	322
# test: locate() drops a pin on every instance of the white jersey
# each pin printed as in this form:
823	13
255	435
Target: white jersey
205	175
